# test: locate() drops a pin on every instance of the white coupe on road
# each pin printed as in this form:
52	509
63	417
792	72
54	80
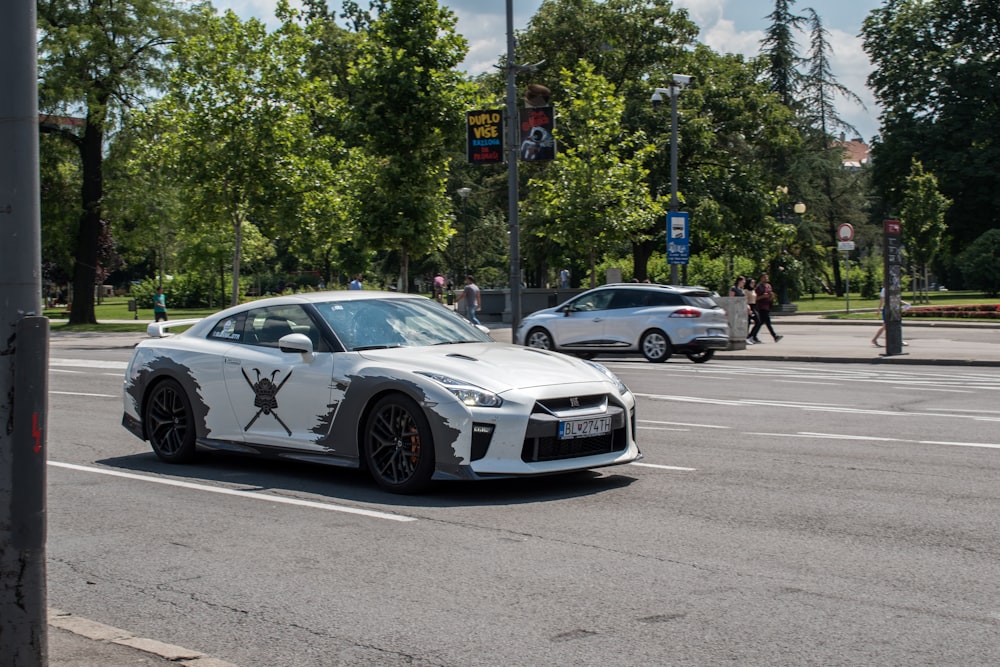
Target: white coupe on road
393	383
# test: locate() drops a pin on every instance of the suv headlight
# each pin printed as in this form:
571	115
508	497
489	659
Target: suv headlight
467	393
611	376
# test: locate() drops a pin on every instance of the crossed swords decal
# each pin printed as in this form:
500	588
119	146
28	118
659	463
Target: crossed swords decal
265	396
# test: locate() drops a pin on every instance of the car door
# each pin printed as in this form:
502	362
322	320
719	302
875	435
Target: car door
280	399
584	321
628	316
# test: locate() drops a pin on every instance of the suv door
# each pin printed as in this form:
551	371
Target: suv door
583	321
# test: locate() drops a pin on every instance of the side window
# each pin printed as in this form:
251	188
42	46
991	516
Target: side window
665	299
266	326
228	329
630	298
593	301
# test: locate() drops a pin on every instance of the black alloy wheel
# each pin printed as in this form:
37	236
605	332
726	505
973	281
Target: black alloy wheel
398	446
169	422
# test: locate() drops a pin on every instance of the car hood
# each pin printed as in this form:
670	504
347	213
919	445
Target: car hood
497	367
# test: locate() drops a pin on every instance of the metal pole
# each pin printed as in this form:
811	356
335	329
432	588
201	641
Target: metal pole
847	282
674	204
513	139
23	349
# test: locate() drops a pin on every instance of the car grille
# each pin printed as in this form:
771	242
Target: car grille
543	444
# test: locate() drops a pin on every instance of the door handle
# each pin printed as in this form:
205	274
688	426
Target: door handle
231	361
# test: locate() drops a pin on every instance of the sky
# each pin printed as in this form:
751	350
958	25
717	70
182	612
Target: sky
727	26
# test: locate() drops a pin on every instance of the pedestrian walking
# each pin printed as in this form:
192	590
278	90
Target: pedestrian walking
356	283
470	294
765	299
881	310
160	305
438	287
751	293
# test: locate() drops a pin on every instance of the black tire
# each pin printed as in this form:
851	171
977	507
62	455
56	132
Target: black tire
169	422
398	446
701	356
655	346
539	338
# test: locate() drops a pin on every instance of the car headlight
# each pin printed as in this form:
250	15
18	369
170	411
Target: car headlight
611	376
469	394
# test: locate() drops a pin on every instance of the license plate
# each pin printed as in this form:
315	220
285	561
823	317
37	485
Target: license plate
584	428
716	332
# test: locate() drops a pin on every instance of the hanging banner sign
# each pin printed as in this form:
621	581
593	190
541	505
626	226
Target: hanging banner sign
537	142
678	237
484	136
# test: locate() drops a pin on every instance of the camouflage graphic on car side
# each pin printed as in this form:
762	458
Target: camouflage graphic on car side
147	370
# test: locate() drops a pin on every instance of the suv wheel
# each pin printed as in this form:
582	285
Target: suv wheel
701	356
540	339
655	346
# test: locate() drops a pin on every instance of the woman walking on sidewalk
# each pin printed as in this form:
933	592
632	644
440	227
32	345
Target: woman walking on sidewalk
765	298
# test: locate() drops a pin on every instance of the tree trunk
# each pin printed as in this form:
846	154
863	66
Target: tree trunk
92	191
404	269
237	251
641	252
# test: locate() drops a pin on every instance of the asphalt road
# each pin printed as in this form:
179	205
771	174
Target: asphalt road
784	513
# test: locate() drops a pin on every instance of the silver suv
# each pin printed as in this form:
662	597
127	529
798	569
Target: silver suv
654	320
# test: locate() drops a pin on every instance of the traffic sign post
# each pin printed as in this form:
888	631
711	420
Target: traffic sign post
845	243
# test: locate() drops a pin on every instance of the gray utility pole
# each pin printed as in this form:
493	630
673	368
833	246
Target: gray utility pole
24	345
513	146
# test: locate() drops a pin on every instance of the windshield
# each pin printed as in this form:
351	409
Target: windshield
370	324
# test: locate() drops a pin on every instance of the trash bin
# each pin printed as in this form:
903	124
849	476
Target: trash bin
553	299
133	308
451	298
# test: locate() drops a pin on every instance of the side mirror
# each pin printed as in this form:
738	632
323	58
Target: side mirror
296	342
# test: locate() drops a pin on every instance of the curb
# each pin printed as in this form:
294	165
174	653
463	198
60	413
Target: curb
100	632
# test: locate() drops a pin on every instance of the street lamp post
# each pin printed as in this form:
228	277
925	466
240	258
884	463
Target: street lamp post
464	193
678	83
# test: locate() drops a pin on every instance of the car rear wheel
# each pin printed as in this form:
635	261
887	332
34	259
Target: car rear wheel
655	346
169	423
539	338
398	446
701	356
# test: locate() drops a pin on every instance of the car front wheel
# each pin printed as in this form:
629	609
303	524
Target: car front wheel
169	423
701	356
539	338
655	346
398	446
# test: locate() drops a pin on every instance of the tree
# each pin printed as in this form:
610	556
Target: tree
235	131
407	100
595	192
781	51
103	57
820	88
935	80
922	218
980	263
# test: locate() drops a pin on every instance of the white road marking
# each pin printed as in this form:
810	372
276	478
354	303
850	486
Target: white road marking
871	438
251	495
88	363
654	465
950	391
82	393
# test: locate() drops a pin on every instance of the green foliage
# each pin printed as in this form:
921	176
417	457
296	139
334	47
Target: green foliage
948	122
594	193
980	263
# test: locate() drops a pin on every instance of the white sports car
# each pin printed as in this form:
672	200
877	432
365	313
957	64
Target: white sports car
394	383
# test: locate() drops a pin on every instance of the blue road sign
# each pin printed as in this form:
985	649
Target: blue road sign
678	238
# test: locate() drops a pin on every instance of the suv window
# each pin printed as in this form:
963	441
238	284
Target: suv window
592	301
665	299
631	298
700	301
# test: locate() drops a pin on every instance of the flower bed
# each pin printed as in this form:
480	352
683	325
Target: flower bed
979	311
